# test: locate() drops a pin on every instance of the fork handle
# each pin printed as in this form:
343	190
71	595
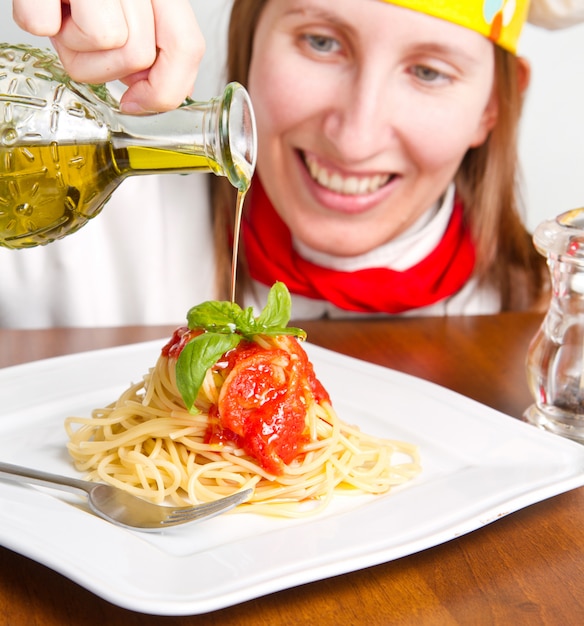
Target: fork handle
19	474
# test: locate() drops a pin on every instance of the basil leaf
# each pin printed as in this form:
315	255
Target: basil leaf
286	330
225	325
229	317
219	317
196	358
276	314
278	309
246	322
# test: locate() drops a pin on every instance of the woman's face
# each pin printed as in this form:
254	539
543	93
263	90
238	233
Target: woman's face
364	111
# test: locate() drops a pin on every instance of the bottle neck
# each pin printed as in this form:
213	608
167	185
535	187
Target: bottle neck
217	136
175	141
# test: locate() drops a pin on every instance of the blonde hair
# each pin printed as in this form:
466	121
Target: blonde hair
487	182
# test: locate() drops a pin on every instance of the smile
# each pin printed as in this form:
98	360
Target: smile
347	185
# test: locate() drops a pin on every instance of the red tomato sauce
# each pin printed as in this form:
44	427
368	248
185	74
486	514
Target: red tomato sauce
178	341
262	402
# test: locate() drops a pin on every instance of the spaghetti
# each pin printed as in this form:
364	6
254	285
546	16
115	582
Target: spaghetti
261	419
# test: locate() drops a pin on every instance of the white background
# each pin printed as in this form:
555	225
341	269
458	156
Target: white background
552	132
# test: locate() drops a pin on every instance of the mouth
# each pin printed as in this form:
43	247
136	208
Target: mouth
347	185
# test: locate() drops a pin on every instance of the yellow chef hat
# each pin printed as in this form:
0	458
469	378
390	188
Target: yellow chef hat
500	21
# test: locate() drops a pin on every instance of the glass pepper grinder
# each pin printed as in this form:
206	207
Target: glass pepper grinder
65	146
555	358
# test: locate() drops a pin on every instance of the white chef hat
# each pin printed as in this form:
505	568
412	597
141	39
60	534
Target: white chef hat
554	14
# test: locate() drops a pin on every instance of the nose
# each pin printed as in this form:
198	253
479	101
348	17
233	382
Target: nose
358	123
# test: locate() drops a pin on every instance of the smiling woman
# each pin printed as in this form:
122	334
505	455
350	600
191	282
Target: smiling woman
372	134
387	146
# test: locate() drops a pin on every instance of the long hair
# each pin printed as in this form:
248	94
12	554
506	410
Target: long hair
487	182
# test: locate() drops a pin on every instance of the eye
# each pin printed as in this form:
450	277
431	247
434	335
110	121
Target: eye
322	43
428	74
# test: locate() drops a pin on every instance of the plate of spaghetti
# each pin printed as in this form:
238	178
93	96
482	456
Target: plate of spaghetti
351	464
233	403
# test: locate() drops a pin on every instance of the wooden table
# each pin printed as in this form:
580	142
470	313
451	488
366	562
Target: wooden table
526	568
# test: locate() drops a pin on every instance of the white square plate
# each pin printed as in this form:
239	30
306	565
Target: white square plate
478	465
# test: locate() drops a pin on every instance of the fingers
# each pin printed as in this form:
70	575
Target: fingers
171	78
87	30
38	17
91	56
154	46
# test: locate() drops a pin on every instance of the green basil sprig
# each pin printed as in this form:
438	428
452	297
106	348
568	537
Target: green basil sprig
225	325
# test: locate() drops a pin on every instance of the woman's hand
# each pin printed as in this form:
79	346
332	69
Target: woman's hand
153	46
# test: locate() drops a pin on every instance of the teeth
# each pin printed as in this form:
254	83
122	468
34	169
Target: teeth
347	185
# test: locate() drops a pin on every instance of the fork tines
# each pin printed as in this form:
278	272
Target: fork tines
187	514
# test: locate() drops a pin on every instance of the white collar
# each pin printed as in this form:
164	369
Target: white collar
407	249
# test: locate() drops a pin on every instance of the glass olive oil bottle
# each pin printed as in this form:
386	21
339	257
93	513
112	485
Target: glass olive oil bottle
65	146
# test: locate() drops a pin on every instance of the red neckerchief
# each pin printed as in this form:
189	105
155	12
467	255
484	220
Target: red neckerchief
271	257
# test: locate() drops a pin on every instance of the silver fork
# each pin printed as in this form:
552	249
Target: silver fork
118	506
